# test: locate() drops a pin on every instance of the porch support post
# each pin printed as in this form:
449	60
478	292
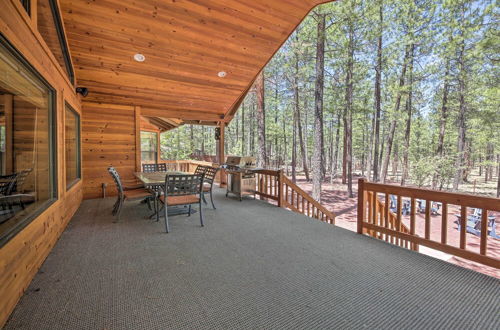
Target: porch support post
222	126
361	205
137	114
158	146
280	188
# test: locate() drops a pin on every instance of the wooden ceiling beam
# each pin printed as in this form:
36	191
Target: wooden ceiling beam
184	115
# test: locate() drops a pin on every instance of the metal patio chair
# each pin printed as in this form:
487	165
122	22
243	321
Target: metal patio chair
200	170
208	183
125	194
149	168
181	190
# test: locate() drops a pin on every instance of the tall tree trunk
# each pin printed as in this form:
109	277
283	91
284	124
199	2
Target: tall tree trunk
444	117
203	140
317	166
406	150
370	147
392	129
297	114
191	138
276	153
285	150
294	147
261	121
348	110
459	163
251	141
243	128
378	93
498	175
337	146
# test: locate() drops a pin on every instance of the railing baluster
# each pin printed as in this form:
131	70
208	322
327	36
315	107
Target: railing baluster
374	206
412	220
427	219
398	218
484	231
444	223
463	225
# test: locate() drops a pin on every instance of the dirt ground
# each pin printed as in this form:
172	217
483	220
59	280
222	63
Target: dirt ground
336	199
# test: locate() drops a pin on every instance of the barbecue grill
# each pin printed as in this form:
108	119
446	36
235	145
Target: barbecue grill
241	176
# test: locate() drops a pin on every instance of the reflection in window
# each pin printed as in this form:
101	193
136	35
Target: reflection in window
72	146
149	147
51	29
27	162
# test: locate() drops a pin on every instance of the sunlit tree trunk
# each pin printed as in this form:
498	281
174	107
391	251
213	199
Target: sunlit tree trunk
317	166
409	105
261	121
392	129
347	163
378	96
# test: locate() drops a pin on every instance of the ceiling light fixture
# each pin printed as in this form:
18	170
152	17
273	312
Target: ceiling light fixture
222	74
139	57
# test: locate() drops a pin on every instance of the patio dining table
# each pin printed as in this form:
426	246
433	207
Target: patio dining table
154	180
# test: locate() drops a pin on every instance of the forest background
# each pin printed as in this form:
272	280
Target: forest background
402	92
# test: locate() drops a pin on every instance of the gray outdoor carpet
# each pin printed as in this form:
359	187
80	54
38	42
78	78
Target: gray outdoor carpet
253	266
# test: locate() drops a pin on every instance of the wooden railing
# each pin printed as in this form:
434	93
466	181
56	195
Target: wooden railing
276	186
187	165
375	219
379	214
270	185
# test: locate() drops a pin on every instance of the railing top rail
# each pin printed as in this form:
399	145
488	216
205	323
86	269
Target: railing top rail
268	172
489	203
306	196
185	161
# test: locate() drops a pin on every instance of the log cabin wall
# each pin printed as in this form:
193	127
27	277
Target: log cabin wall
108	139
22	255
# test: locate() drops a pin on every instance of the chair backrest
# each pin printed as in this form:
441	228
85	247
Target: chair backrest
200	169
149	168
162	167
7	183
21	178
116	178
183	184
210	173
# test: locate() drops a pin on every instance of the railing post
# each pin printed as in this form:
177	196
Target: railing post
280	188
361	205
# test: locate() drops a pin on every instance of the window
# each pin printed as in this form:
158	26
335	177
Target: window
27	135
51	29
149	147
72	146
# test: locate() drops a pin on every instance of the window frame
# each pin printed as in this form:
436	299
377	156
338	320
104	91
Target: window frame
52	115
158	157
63	43
68	106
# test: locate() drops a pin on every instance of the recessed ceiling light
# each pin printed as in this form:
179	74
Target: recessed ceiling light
139	57
222	74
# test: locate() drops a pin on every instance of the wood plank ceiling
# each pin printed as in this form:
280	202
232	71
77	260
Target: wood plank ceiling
186	44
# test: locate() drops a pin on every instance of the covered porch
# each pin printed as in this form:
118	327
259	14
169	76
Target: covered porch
253	265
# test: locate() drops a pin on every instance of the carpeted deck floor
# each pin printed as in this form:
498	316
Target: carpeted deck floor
252	266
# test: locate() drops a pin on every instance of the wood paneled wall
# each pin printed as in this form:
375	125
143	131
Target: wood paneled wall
22	256
108	139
